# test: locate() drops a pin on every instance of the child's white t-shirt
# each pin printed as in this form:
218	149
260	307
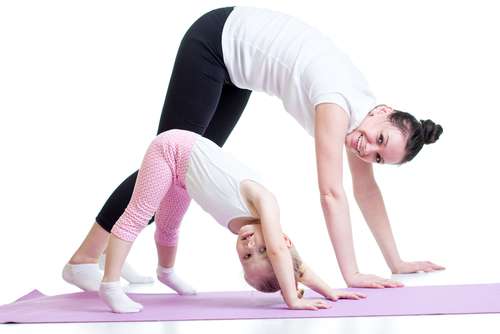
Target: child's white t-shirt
213	180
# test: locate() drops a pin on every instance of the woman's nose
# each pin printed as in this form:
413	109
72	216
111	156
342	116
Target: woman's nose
370	148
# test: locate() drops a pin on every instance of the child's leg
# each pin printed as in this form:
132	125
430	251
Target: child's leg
154	180
114	296
168	219
110	289
167	274
128	272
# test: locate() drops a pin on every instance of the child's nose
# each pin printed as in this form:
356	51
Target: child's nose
251	243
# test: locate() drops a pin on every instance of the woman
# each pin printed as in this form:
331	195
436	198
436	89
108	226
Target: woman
229	52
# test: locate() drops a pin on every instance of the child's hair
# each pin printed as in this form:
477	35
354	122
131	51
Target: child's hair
269	282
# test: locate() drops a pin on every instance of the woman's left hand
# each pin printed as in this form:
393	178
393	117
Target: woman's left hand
336	295
416	266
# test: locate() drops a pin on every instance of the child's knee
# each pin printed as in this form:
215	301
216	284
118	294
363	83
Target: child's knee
167	238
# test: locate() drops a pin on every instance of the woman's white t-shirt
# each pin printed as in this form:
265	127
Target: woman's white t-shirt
280	55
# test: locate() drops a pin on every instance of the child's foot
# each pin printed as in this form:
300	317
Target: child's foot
114	296
168	277
128	273
86	276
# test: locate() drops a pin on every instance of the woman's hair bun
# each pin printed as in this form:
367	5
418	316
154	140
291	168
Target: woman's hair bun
431	131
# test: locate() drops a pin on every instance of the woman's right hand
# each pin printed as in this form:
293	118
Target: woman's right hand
359	280
308	304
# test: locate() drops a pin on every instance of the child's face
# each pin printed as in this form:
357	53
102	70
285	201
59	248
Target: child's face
251	250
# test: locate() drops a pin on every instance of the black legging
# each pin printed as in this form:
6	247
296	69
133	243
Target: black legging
200	98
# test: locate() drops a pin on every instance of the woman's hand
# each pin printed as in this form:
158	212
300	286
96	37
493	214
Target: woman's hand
416	266
336	295
359	280
308	304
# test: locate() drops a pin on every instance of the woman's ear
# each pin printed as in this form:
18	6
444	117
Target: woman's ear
381	109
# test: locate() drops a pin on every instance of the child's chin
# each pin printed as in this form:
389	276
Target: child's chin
246	229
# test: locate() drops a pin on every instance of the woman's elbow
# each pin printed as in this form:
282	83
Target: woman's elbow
330	197
362	190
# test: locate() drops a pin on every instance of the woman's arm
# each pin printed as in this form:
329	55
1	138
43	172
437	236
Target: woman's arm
330	129
370	201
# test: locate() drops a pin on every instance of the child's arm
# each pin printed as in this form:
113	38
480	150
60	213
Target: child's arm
315	283
266	207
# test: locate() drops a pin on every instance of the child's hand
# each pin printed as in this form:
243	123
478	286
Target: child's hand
308	304
336	295
359	280
413	267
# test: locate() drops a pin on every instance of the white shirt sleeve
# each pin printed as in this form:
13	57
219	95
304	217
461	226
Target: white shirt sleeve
336	98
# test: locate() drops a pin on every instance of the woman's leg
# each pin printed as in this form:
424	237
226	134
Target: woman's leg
192	98
92	247
82	269
231	105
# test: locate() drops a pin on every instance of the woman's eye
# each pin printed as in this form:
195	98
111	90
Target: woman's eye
381	139
247	256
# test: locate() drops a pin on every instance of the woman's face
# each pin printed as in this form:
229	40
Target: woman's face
376	140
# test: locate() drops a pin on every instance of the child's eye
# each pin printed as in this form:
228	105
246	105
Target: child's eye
378	158
247	256
381	139
247	236
262	250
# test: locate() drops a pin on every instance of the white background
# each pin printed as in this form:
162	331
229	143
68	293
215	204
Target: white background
81	91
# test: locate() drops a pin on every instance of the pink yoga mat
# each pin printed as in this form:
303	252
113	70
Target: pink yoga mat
86	306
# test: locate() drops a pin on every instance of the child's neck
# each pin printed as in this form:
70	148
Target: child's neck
236	223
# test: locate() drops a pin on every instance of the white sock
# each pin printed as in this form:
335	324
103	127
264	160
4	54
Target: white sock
168	277
86	276
128	273
114	296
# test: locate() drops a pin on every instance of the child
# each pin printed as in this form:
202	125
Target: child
180	165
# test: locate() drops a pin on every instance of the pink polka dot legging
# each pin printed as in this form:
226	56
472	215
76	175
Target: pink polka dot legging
160	188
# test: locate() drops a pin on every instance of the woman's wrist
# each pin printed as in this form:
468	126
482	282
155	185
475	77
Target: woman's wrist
395	264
